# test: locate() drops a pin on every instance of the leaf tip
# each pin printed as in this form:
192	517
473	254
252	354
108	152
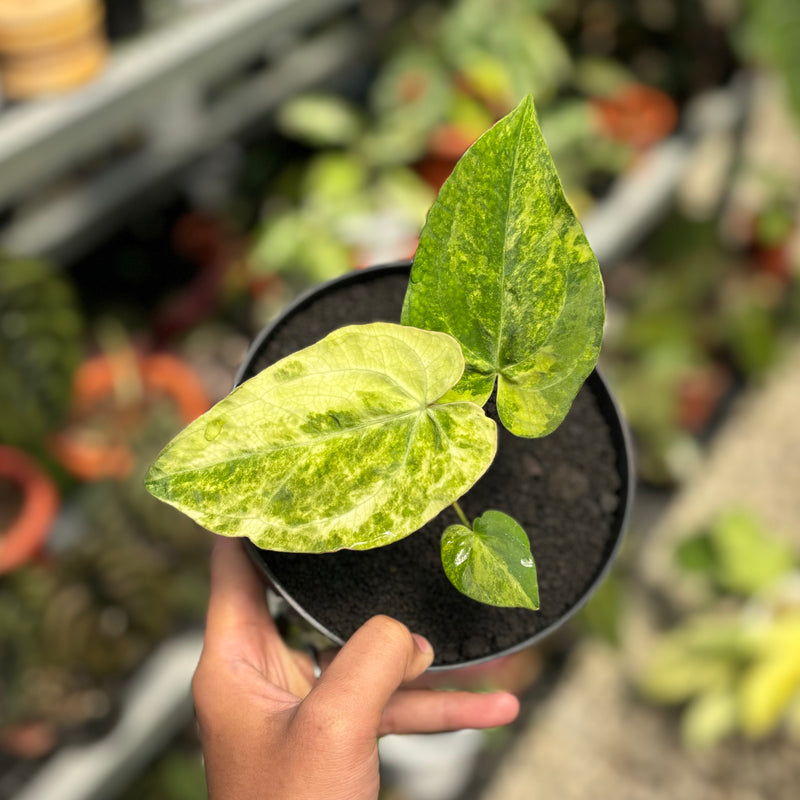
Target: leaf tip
531	603
155	481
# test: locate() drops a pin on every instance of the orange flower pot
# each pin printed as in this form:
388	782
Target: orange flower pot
639	115
98	382
24	537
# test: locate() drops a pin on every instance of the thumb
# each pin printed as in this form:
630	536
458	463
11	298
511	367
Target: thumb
380	656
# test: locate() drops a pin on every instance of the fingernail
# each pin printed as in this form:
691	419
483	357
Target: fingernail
422	643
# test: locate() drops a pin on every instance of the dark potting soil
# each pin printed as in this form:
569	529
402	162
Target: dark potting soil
564	489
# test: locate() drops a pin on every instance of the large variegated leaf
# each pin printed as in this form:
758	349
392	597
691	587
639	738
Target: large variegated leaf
492	562
504	267
340	445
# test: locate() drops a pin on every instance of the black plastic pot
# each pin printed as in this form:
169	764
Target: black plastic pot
571	491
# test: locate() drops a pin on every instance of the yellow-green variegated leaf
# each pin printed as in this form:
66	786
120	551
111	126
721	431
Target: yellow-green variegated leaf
503	266
340	445
710	717
492	563
771	684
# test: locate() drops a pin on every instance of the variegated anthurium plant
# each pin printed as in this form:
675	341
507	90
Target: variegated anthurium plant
360	439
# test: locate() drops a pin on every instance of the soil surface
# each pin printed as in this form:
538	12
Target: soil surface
564	489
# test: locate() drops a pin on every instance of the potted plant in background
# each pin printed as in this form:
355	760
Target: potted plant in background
41	334
329	459
731	660
23	532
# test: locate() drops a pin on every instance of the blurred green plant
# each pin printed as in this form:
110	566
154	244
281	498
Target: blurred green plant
451	75
601	616
506	49
698	321
767	33
176	775
41	343
122	572
733	669
737	555
342	206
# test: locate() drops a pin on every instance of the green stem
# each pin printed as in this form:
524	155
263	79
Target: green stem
461	515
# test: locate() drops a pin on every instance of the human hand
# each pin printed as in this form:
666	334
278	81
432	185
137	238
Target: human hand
269	729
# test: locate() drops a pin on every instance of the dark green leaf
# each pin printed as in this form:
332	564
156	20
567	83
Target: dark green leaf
41	344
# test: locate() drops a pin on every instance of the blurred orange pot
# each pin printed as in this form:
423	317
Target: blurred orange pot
446	145
637	114
118	390
24	536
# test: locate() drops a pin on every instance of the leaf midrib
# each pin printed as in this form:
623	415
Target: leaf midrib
483	541
351	510
509	186
309	442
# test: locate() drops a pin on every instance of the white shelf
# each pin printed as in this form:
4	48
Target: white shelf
641	197
162	92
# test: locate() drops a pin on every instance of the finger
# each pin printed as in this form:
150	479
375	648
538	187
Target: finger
312	667
237	601
380	656
476	677
427	711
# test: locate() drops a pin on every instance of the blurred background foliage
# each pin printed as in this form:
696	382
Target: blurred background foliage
733	665
102	359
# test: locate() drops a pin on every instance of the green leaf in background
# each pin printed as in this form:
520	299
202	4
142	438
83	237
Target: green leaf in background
321	120
737	554
340	445
492	563
696	554
704	655
747	560
41	345
710	717
504	267
409	97
772	683
602	615
512	39
413	83
336	184
293	243
768	33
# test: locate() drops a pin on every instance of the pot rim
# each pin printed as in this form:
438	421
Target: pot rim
607	404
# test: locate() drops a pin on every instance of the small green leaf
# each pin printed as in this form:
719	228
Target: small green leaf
340	445
695	554
503	266
320	120
710	717
747	559
492	563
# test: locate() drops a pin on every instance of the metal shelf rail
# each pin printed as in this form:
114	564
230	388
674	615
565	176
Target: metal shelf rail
67	167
